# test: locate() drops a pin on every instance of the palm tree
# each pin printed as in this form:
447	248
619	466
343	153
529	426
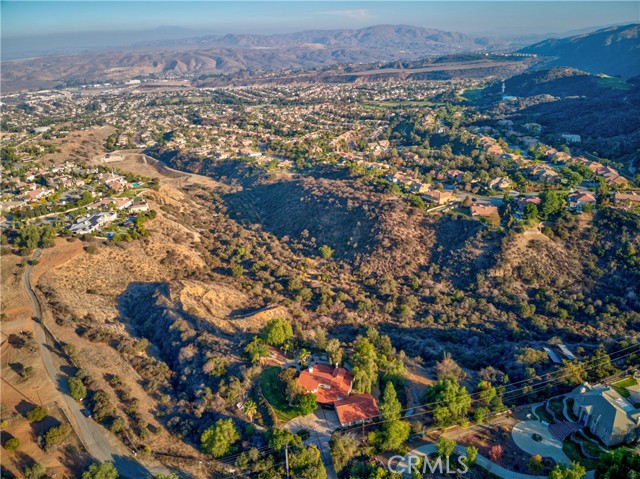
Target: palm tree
250	409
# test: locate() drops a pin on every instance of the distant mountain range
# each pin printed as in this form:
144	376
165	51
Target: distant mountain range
614	51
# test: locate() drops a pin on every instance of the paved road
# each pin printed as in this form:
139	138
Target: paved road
94	437
320	424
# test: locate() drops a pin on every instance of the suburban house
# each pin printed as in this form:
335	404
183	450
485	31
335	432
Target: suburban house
484	211
37	194
419	187
627	200
523	201
577	201
328	383
139	206
93	222
501	183
356	409
440	197
332	386
608	415
455	175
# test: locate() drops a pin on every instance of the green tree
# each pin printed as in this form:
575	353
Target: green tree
622	463
390	407
218	439
394	435
325	251
105	470
535	463
480	414
56	435
35	472
256	350
250	409
551	203
365	365
77	388
277	332
445	447
564	471
12	444
280	438
472	455
343	447
37	414
602	366
453	402
307	464
307	404
334	351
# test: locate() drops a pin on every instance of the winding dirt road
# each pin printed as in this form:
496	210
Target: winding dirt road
97	441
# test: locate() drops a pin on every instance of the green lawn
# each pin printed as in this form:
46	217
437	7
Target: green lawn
270	386
391	104
472	94
621	386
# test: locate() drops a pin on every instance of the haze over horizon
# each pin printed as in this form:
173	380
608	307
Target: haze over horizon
39	25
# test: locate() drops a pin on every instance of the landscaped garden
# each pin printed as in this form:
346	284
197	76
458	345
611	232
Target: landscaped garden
572	450
274	393
542	413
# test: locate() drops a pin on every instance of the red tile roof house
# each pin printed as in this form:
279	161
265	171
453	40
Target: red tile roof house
332	386
356	409
329	384
577	201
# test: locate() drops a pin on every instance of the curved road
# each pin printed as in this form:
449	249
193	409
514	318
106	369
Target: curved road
95	439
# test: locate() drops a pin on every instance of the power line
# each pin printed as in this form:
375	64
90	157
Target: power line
525	391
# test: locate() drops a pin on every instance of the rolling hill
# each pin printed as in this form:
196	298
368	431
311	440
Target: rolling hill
614	51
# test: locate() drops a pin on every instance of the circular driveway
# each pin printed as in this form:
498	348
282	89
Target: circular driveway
522	435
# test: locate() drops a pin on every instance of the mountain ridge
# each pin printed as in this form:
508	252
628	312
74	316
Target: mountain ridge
614	50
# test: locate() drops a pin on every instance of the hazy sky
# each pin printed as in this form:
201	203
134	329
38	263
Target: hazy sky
26	18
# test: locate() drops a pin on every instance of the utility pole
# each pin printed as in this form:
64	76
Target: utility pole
286	458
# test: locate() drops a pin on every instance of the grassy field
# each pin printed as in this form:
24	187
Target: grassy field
621	386
613	82
382	105
270	386
472	94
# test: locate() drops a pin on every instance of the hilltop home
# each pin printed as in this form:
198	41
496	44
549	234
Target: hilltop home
440	197
328	383
332	387
627	200
608	415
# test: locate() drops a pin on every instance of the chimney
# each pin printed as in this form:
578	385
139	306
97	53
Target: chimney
311	368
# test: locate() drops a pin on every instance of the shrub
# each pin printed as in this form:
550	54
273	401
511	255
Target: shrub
56	435
76	388
12	444
38	413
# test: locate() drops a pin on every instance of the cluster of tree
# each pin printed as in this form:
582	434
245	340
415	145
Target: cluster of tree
305	462
374	358
278	332
29	237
